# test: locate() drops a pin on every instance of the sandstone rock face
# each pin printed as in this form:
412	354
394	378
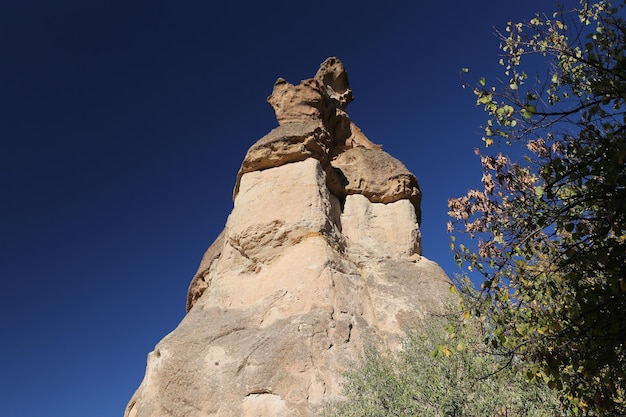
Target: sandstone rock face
319	258
378	176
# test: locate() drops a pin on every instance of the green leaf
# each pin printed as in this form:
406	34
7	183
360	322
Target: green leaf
485	98
539	191
528	111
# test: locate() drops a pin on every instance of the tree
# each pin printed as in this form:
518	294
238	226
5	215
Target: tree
443	370
547	231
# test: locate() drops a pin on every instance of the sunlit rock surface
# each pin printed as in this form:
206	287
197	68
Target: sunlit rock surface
320	256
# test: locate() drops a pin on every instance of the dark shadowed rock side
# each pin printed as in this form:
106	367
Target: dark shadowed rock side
320	257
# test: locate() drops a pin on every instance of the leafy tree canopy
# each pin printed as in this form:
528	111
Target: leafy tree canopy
547	232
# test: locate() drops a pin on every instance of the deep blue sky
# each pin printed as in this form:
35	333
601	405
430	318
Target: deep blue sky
123	125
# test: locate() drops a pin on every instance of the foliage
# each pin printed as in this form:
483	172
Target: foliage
548	233
444	369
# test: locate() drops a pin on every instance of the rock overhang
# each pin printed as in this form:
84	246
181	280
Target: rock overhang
313	123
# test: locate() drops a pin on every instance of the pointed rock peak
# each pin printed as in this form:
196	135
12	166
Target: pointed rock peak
319	258
315	98
334	79
313	123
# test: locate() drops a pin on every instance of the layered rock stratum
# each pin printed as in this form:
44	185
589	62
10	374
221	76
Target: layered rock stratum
320	257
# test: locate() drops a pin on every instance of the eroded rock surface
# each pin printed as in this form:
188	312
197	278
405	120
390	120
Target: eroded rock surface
313	123
320	257
378	176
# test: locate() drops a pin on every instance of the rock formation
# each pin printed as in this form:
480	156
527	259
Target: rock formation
320	256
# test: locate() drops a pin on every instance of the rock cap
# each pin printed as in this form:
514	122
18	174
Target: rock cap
314	123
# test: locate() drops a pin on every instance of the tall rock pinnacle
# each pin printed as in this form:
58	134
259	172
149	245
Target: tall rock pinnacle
320	257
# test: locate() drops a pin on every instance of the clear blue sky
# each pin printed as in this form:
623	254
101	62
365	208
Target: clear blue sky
123	125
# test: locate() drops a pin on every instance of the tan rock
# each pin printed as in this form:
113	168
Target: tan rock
199	282
290	142
289	301
300	103
256	227
317	98
378	176
313	123
383	230
334	79
319	258
358	139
